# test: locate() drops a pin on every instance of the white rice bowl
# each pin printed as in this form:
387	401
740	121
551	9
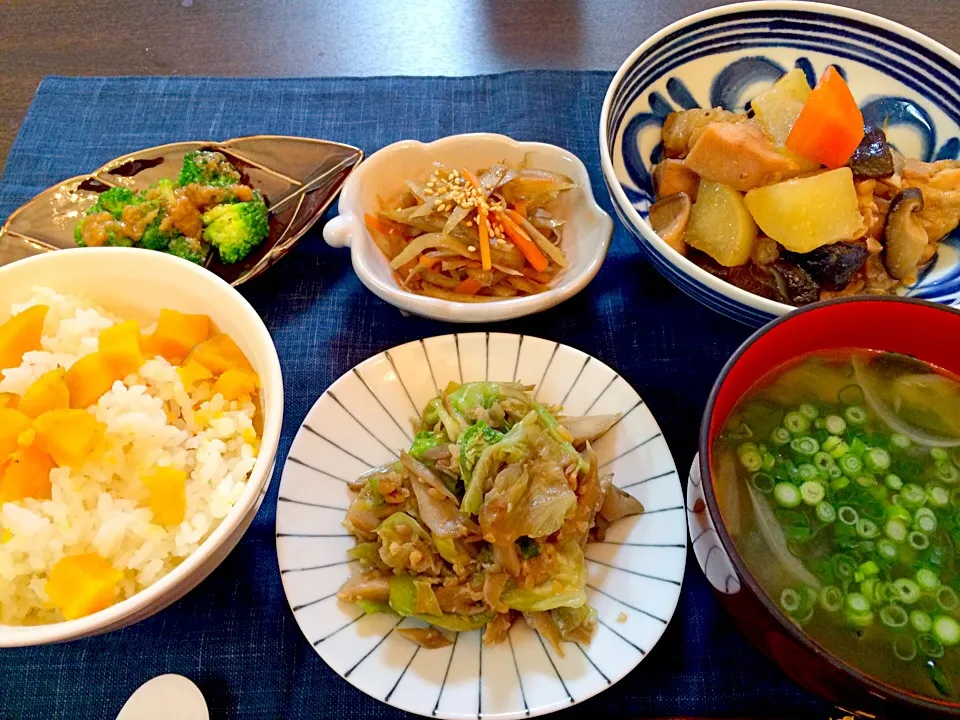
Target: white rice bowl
151	420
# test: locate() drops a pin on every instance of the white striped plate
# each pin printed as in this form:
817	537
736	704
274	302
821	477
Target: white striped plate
363	420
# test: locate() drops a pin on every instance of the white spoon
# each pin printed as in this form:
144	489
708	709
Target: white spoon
164	697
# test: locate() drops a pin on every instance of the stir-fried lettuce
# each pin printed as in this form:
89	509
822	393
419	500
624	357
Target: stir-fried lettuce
485	519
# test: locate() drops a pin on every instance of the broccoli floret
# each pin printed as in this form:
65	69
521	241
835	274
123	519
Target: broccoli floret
195	251
78	234
207	168
113	201
236	228
156	239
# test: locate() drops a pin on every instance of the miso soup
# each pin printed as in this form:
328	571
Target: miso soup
838	477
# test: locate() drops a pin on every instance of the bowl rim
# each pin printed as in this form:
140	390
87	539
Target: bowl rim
730	548
495	310
635	222
106	619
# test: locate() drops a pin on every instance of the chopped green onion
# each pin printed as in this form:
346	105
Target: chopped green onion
868	569
925	520
946	630
893	616
780	437
893	482
868	587
812	492
866	481
839	450
830	444
927	579
907	590
835	473
769	462
786	495
763	482
825	512
939	454
947	598
928	603
807	472
912	495
858	447
887	549
808	411
857	609
805	446
921	621
830	598
823	461
867	528
855	415
900	442
955	497
938	496
844	567
750	458
876	459
847	515
947	472
896	530
835	425
898	512
905	648
790	600
850	465
796	423
929	645
918	541
850	395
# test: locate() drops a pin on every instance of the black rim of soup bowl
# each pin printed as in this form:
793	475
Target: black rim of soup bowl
877	687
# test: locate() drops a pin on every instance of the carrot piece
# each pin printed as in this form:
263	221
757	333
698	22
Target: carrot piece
468	287
520	207
373	223
530	251
541	277
485	260
427	261
830	125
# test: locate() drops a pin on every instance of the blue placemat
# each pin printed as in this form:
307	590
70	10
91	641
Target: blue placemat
234	635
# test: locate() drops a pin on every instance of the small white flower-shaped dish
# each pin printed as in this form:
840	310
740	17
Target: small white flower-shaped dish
586	233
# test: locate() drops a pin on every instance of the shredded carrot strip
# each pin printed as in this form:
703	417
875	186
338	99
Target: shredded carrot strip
530	251
520	207
485	260
427	261
468	287
373	224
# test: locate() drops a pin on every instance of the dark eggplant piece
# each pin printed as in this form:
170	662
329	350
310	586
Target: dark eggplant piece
755	279
831	266
795	283
872	158
904	237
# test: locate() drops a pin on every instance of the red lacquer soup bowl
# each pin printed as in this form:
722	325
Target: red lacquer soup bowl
912	327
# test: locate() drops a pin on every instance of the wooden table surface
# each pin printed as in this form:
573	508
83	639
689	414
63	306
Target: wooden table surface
346	37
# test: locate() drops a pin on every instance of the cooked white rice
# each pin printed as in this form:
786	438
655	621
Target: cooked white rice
150	421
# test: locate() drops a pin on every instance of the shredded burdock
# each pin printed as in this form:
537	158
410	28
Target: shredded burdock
485	518
474	237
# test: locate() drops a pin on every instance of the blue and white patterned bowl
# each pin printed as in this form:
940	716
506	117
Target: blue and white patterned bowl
726	56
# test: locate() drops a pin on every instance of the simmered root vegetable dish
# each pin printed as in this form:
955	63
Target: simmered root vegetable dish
837	476
797	200
121	449
474	237
485	519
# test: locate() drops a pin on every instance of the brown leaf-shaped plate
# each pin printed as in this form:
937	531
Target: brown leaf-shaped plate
299	178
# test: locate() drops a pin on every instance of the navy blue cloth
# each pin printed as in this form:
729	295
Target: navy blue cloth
234	635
